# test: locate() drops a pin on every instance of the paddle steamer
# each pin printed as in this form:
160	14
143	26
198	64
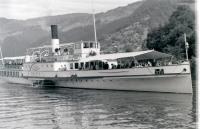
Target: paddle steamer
82	65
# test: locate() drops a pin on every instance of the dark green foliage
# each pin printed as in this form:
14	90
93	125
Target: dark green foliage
170	38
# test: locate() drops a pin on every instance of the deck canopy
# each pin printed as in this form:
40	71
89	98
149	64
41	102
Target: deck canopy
140	55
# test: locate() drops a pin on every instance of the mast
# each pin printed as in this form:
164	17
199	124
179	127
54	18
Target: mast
1	57
186	47
95	31
94	23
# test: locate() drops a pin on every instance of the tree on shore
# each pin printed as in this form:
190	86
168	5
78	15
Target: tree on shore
170	38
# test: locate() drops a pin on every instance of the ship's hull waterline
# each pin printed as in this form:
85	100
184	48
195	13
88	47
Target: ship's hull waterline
16	80
165	83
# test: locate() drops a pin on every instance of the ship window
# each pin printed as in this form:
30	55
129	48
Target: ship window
82	65
71	65
91	45
87	65
76	65
86	45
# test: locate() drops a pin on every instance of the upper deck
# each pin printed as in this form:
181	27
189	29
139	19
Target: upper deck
64	52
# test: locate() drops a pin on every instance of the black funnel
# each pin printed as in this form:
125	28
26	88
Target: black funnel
54	32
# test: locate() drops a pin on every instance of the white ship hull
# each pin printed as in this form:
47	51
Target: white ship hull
176	79
166	83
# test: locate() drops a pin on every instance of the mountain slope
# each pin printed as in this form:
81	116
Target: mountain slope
124	27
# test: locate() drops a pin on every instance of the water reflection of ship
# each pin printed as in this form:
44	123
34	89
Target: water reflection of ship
91	109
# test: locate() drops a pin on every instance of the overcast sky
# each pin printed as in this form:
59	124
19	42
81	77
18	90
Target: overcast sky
25	9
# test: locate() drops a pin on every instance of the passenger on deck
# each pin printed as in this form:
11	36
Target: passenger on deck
105	66
113	66
154	63
118	66
170	63
132	64
158	64
126	65
149	63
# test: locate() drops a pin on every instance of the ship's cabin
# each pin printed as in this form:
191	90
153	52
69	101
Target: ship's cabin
13	62
11	66
87	61
61	57
64	52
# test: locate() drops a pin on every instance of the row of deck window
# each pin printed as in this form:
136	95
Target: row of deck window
9	73
88	80
98	65
90	45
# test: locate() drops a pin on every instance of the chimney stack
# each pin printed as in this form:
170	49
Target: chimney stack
54	39
54	32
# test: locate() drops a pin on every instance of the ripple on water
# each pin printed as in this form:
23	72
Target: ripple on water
45	108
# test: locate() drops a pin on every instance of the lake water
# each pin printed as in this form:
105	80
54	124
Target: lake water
23	107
